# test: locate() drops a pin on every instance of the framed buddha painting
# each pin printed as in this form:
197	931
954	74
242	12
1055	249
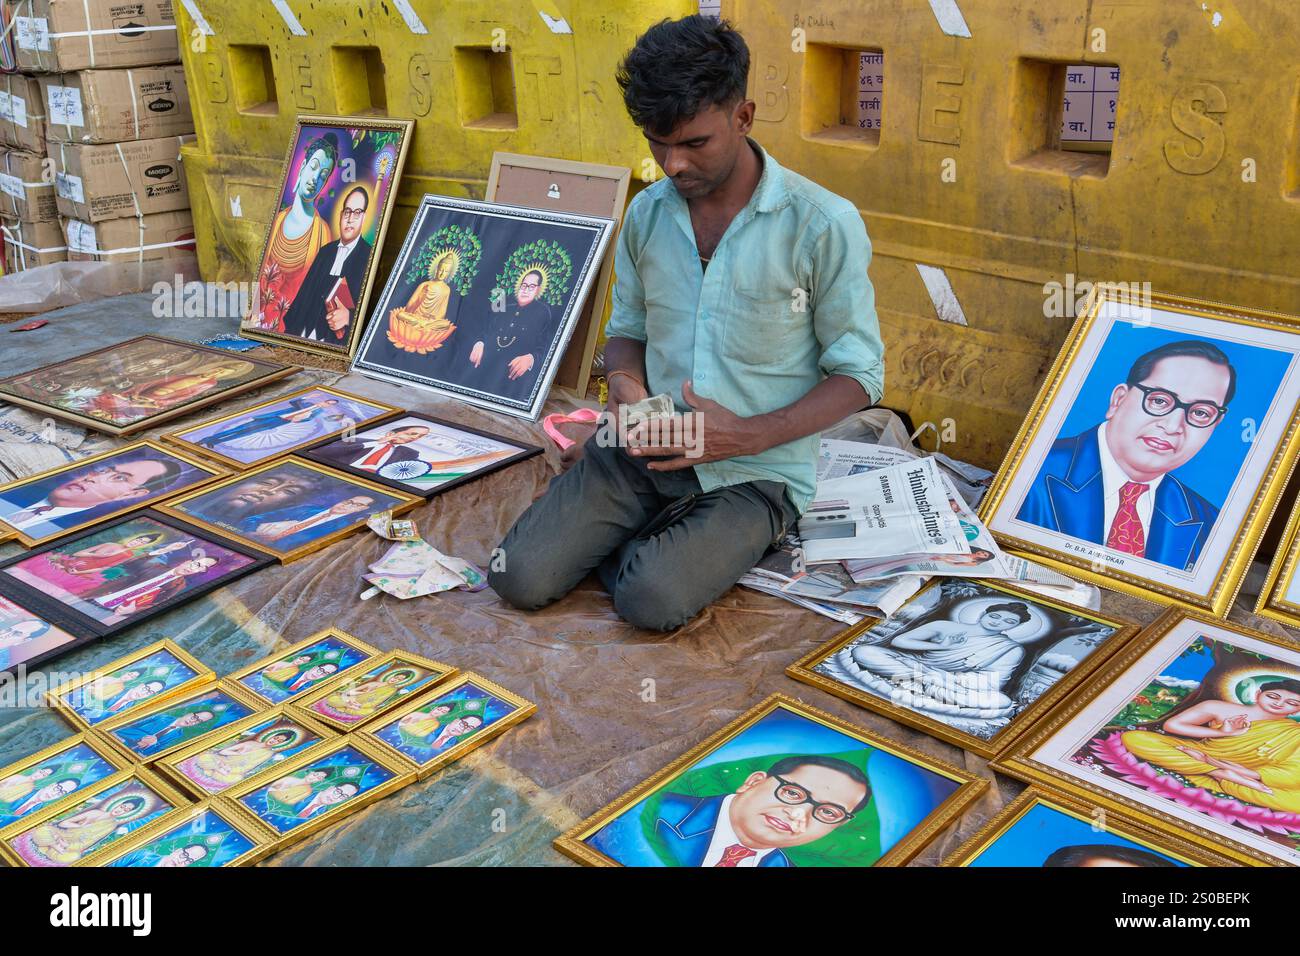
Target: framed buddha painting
322	246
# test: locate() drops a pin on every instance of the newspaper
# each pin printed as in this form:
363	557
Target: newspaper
904	509
767	586
843	459
785	568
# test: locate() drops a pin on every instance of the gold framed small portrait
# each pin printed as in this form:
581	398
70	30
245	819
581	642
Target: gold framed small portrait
151	732
204	835
443	725
1192	724
288	508
55	776
1131	471
249	749
363	695
141	678
60	501
108	811
1279	598
784	784
317	789
300	668
279	427
1044	829
972	662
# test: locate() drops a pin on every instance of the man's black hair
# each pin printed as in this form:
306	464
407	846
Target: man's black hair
1077	855
787	764
1146	363
1282	683
679	68
365	194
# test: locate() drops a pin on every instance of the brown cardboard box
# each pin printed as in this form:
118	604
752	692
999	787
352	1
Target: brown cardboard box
94	183
31	244
25	192
112	106
56	36
22	112
164	235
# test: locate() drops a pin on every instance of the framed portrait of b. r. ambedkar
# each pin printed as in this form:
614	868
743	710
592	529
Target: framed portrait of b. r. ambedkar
483	300
318	264
1156	448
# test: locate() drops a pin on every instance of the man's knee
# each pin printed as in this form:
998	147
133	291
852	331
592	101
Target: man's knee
653	603
519	588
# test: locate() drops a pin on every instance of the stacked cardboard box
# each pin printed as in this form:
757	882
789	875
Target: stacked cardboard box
96	119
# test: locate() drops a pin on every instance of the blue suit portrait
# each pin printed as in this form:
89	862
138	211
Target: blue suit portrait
1068	497
685	828
261	423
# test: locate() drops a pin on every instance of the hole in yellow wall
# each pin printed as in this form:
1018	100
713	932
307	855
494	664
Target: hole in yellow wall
359	80
253	80
842	94
485	88
1063	117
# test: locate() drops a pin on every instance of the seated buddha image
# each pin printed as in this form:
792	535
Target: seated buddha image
421	326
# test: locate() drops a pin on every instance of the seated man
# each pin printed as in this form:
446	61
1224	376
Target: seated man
742	292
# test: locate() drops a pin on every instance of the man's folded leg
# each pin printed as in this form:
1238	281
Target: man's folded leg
585	515
663	580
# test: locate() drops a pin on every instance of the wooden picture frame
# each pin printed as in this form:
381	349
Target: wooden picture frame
270	306
155	366
204	826
1140	837
962	787
195	508
317	705
418	468
1049	499
545	182
192	441
1278	599
161	654
330	643
384	735
219	699
81	760
203	473
1112	742
806	668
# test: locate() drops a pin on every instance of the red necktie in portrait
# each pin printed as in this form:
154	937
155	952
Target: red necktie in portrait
733	854
1126	532
375	457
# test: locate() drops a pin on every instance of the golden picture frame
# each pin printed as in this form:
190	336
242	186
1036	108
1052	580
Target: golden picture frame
20	847
144	848
172	766
396	502
71	759
1181	662
210	471
395	158
804	670
1049	499
1277	599
331	638
161	654
251	802
566	185
185	438
316	705
218	699
380	735
1145	835
965	786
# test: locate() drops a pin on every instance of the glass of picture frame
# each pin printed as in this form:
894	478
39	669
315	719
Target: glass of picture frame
1191	724
972	662
137	384
1044	829
321	253
28	637
300	668
784	784
200	714
362	696
206	834
60	501
420	454
278	427
55	776
439	728
1131	471
153	673
288	508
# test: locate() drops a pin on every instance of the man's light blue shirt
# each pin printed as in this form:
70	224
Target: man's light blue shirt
784	303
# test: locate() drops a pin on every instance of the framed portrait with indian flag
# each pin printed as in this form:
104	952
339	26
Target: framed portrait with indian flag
321	252
1157	447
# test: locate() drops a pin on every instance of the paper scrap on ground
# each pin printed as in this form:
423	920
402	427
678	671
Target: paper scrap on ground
415	568
394	529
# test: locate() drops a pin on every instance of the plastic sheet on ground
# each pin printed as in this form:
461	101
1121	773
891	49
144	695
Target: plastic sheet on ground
595	735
